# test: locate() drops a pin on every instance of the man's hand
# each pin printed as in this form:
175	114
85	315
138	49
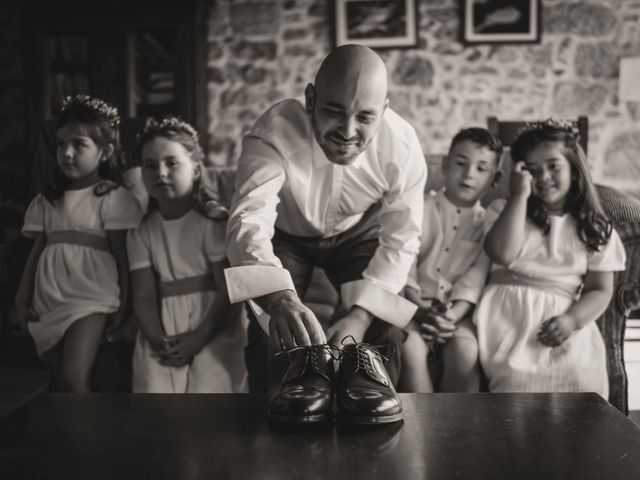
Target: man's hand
354	323
292	323
556	330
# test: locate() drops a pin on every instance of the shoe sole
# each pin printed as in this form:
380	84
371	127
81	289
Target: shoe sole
370	420
321	418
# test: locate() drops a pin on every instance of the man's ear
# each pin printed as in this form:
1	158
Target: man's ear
197	170
309	98
386	104
107	152
496	178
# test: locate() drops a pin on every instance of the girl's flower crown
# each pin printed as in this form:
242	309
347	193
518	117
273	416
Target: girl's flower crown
102	108
560	124
170	123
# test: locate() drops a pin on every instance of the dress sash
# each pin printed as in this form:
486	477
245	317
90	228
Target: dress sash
508	277
77	237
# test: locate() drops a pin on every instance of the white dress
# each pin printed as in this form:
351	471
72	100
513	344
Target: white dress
73	281
179	249
508	317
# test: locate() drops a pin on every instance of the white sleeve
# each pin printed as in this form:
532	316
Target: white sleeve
399	243
34	218
138	251
611	257
120	210
250	227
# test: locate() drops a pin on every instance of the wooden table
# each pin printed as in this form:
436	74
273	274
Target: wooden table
467	436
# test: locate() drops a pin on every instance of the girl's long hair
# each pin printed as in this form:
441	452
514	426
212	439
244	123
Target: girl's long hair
174	129
582	201
102	123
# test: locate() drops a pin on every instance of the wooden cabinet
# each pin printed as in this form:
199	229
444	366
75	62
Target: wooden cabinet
146	57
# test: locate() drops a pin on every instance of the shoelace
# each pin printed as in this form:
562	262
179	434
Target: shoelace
361	349
311	354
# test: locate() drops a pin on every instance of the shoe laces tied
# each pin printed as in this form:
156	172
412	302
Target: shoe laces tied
363	361
311	354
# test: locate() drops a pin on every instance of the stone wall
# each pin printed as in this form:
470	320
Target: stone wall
261	51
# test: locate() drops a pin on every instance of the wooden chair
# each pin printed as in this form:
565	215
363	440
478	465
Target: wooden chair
624	212
506	130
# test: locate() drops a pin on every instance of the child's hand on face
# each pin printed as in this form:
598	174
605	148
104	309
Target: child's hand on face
556	330
521	180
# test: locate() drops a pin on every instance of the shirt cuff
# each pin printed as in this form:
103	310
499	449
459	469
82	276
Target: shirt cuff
251	281
381	303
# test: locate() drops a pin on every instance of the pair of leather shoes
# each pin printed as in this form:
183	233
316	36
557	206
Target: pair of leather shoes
364	392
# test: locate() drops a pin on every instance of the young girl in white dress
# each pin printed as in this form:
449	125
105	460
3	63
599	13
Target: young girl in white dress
190	338
554	254
75	281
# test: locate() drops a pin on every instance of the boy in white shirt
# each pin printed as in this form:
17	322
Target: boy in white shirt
451	268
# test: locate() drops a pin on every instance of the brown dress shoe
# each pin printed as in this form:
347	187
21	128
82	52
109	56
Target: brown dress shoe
365	392
305	394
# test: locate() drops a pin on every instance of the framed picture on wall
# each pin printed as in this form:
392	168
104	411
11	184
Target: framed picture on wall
376	23
500	21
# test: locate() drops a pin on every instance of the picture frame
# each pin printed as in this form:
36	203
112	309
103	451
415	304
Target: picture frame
377	24
500	21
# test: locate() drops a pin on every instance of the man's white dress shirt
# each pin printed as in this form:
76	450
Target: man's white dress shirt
284	179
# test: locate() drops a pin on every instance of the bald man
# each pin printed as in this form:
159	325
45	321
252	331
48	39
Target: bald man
334	180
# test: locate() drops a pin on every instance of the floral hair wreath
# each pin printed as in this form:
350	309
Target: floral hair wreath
559	124
102	108
170	123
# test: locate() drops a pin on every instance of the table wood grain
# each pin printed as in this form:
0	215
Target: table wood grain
466	436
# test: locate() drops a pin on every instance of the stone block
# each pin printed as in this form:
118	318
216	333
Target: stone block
621	156
255	50
413	71
295	34
253	75
573	98
579	18
216	75
255	17
600	60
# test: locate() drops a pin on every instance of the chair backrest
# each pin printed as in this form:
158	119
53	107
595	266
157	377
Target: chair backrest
506	130
624	213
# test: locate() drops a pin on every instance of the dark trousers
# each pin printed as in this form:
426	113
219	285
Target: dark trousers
343	258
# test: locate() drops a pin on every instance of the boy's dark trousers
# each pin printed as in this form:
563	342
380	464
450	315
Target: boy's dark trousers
343	258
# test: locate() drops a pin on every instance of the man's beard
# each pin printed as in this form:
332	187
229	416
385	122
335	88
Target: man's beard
329	148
